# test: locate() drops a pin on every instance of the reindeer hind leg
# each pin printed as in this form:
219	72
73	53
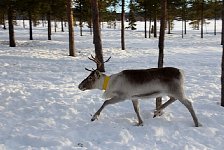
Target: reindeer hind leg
189	106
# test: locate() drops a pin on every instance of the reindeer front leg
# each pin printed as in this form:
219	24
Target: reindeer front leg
158	110
136	108
107	102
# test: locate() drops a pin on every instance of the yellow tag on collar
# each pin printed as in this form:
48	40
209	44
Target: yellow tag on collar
105	83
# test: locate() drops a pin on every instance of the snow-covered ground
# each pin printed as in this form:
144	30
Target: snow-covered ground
42	108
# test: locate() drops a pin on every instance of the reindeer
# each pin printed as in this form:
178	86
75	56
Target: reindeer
139	84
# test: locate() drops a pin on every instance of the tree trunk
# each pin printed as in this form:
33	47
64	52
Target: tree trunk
90	27
215	17
184	17
182	28
97	35
43	21
80	19
169	27
49	25
150	21
24	26
155	24
70	29
3	17
222	38
215	25
168	22
222	73
12	42
202	17
90	21
145	28
122	25
80	27
55	25
62	26
30	24
145	25
162	33
161	42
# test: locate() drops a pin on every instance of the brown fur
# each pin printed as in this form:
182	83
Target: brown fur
146	75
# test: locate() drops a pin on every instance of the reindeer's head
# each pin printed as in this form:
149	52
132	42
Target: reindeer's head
92	81
95	79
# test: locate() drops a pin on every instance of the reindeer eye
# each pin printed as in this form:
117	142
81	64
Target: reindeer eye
90	78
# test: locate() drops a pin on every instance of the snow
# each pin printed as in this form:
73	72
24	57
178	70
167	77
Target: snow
41	106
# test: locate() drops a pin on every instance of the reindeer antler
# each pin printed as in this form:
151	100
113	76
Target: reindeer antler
89	69
94	59
107	60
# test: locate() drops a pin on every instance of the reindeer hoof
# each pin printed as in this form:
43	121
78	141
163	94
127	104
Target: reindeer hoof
94	117
198	125
139	124
157	113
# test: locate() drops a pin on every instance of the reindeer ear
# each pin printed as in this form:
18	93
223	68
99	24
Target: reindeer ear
98	74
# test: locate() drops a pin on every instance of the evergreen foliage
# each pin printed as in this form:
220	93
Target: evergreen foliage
132	20
149	9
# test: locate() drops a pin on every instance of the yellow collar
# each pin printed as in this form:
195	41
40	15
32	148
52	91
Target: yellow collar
105	83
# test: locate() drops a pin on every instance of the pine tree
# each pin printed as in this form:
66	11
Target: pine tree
122	25
11	10
8	7
97	35
83	13
132	20
70	28
222	68
28	8
161	42
3	12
